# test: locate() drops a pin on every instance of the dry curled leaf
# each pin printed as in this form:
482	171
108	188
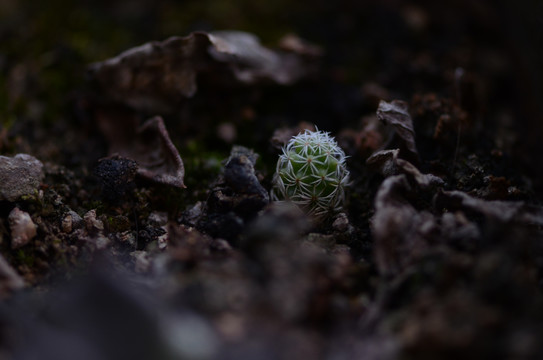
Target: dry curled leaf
507	212
404	234
401	232
388	163
395	114
149	145
153	75
384	162
251	62
156	76
399	229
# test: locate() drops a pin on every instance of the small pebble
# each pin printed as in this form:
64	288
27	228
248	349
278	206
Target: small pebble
91	222
22	228
341	223
20	175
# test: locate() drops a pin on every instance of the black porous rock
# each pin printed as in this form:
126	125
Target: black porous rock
116	177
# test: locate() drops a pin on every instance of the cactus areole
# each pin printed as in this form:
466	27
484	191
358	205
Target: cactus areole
311	173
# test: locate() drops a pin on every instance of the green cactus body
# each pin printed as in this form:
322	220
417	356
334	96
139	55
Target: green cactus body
311	173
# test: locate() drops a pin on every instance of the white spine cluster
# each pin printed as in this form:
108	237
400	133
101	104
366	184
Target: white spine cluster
311	173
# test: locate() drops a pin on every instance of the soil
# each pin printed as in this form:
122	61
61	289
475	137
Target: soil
146	229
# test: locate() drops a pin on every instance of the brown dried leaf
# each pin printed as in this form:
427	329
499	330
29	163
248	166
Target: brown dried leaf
150	146
503	211
404	234
384	161
395	114
251	62
401	232
388	164
158	75
153	75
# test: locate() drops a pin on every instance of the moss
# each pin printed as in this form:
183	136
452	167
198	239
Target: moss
25	256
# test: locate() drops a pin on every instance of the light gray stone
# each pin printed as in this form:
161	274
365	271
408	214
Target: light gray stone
22	228
19	176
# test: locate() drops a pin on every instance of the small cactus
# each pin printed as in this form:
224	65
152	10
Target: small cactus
311	173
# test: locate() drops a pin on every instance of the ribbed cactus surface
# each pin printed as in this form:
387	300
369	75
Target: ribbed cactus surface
311	172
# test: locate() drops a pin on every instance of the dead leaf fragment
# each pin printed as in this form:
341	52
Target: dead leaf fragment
154	75
388	163
157	76
251	62
404	234
508	212
384	161
399	229
149	145
395	114
157	156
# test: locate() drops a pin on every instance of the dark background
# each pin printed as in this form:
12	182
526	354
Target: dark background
46	47
456	298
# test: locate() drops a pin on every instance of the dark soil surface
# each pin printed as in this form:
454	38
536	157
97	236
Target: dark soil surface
139	223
